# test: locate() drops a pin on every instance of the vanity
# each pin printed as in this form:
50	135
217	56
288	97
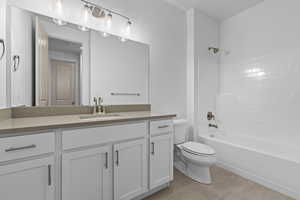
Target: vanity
51	145
121	157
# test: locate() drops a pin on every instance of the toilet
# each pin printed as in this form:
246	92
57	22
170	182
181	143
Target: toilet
192	158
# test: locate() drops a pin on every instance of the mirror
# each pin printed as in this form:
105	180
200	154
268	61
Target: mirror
54	65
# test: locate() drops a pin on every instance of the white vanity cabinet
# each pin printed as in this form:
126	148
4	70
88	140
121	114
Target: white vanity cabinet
87	174
27	167
161	153
27	180
161	160
120	161
130	169
116	170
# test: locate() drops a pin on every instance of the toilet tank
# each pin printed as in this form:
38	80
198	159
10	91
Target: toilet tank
180	130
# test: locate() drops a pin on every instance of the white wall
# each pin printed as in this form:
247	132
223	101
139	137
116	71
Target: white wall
21	45
119	67
207	35
192	78
260	87
202	69
3	90
156	23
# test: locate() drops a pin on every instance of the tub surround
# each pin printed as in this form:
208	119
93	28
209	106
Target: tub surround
35	119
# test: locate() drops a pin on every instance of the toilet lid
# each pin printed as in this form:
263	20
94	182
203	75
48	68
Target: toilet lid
198	148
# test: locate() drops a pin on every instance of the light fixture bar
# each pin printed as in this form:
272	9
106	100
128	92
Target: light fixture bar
106	9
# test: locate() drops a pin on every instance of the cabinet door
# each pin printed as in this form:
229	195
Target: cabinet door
27	180
161	160
130	175
87	175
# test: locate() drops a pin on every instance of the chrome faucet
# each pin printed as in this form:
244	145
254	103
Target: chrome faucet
210	117
98	107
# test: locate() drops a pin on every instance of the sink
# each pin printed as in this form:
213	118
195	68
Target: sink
99	116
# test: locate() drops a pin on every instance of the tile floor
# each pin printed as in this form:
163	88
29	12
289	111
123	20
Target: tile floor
226	186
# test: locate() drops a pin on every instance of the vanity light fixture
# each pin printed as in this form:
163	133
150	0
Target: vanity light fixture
59	22
104	34
122	39
101	12
108	20
128	28
83	28
58	10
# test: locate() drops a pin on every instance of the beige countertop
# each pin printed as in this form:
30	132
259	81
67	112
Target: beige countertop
14	125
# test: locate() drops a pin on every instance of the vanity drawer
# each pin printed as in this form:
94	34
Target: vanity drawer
99	135
161	126
12	148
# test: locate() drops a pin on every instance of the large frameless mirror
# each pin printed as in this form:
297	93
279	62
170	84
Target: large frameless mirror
53	65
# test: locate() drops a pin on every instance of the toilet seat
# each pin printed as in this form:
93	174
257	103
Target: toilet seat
198	149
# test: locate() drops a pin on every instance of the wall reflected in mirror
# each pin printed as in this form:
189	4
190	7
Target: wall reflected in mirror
54	65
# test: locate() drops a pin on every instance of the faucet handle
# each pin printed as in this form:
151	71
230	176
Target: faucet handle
95	100
100	100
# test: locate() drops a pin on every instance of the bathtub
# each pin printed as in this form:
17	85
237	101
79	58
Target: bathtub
275	166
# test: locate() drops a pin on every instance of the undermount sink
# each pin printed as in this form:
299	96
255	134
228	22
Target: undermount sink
99	116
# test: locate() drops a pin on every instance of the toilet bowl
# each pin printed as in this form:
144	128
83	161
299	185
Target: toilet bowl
192	158
197	158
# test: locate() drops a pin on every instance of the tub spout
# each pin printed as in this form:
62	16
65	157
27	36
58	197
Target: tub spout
213	125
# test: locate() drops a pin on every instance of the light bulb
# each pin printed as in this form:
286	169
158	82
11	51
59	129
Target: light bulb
104	34
108	20
59	22
58	7
58	10
128	28
122	39
85	13
85	17
83	28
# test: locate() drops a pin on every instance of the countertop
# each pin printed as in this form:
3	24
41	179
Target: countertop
15	125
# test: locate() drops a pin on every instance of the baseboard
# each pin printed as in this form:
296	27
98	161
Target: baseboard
260	180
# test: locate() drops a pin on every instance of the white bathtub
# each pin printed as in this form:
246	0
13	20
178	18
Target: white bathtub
273	165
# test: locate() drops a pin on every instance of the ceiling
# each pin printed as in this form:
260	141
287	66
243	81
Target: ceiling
219	9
